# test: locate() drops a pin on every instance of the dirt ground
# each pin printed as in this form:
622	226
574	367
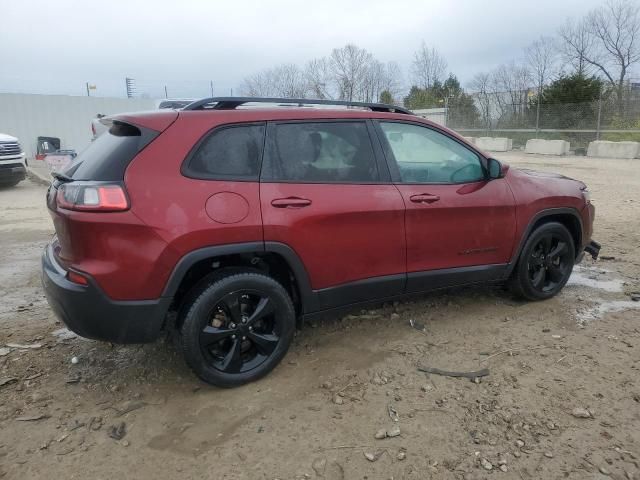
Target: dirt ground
344	378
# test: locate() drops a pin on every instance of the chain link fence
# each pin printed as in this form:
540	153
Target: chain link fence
496	115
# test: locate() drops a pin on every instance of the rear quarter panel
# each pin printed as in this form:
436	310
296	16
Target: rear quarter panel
175	207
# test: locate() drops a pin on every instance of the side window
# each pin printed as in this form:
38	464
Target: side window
322	152
424	155
232	152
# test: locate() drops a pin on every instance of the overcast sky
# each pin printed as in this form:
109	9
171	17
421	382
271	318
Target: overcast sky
57	46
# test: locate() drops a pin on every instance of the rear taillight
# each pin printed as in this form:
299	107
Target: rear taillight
92	197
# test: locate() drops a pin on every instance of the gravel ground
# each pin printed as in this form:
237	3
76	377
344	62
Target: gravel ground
561	400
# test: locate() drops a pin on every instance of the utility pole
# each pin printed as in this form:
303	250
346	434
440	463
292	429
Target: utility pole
87	85
599	112
211	85
232	92
538	111
166	95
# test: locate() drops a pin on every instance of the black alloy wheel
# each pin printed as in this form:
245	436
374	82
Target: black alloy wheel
545	263
242	331
237	328
549	263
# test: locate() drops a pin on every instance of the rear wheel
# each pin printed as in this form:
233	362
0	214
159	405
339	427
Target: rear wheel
545	263
237	329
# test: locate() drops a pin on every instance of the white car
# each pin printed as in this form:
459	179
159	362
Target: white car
13	166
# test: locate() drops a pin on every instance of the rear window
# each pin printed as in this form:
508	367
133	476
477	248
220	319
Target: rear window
228	153
108	156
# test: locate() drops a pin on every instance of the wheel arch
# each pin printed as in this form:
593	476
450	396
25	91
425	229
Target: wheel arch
569	217
277	259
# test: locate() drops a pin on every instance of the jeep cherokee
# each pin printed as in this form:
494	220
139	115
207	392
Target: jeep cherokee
241	222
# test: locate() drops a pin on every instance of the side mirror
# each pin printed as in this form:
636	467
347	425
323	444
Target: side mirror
495	169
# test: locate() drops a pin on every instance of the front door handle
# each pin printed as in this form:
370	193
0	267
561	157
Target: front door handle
424	198
291	202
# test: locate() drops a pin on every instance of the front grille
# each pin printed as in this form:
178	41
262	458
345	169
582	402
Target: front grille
10	148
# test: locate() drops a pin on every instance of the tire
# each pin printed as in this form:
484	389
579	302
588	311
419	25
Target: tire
545	263
237	328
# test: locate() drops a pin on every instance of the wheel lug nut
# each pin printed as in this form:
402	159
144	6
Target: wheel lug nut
251	329
233	325
233	337
244	338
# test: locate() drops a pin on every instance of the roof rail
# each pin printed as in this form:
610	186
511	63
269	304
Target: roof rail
230	103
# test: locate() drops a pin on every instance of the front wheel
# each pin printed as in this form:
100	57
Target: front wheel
237	329
545	263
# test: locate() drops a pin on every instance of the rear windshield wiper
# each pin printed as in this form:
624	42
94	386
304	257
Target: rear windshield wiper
61	177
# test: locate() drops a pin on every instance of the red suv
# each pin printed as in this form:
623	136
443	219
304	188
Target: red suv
244	221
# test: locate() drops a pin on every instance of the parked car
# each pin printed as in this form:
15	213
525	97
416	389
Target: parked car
174	103
13	165
244	222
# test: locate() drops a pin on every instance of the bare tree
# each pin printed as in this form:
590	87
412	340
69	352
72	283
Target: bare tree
349	66
616	27
541	57
511	83
481	84
319	78
612	43
575	44
285	80
428	66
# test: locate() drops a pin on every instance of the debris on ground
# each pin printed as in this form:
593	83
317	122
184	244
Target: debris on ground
319	465
7	380
118	431
579	412
373	456
417	325
31	418
393	431
486	464
21	346
480	373
393	413
128	406
4	351
64	334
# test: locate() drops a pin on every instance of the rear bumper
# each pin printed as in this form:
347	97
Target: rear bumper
87	311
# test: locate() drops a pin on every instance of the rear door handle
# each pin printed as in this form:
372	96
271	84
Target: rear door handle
424	198
291	202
